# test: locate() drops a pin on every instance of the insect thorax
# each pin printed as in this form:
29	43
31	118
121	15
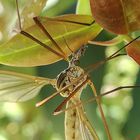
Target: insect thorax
73	76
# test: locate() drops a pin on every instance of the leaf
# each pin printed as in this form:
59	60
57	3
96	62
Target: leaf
111	42
16	87
133	50
22	51
83	7
58	7
6	18
119	17
132	14
32	8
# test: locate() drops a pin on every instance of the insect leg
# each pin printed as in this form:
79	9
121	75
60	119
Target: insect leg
40	25
59	110
32	37
101	95
101	110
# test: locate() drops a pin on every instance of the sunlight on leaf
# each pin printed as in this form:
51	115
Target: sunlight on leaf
59	8
83	7
32	8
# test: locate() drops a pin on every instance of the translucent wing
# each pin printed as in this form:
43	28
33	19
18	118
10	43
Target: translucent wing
15	87
85	132
77	126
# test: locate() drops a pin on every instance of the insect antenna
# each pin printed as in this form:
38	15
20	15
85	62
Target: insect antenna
72	52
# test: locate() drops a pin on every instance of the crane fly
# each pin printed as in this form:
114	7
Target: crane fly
63	54
15	87
29	85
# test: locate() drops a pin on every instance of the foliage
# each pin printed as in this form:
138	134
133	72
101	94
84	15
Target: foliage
24	121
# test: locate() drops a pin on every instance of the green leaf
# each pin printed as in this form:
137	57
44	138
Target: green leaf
32	8
8	15
69	31
59	7
83	7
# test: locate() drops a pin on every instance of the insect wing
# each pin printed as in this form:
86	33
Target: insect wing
72	132
76	127
15	87
84	131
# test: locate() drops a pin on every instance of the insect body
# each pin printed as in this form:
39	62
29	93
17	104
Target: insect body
67	77
16	87
11	83
77	126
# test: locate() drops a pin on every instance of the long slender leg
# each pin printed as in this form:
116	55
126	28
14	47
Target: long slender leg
98	100
33	38
99	96
88	70
40	25
92	67
38	22
59	91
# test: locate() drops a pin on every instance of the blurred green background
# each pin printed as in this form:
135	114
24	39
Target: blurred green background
23	121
